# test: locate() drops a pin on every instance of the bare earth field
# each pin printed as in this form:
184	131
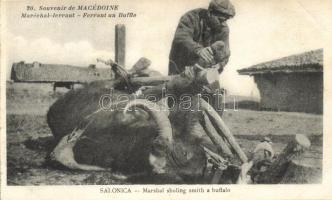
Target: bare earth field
29	139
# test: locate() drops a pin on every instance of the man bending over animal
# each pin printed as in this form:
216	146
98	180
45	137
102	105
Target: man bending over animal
202	37
197	31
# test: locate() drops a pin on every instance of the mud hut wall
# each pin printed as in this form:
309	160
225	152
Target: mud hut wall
299	92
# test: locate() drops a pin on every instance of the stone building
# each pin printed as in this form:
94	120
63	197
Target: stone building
39	72
59	75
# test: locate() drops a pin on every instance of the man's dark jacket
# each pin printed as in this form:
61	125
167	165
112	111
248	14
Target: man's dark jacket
193	34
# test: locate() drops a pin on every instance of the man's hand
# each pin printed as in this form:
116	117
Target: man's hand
206	54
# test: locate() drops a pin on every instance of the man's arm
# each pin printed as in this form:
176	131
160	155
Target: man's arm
184	36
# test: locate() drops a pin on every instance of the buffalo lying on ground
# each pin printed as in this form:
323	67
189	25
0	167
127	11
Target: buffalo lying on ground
148	143
145	141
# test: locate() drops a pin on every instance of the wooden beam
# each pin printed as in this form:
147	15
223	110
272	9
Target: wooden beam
142	64
120	44
177	82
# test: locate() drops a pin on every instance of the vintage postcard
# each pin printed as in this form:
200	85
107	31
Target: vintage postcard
165	99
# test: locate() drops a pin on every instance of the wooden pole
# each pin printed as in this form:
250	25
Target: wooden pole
120	44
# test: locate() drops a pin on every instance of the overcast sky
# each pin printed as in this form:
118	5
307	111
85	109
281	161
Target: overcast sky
261	31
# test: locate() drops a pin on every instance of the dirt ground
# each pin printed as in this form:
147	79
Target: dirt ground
29	139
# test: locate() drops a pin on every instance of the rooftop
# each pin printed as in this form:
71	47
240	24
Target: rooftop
310	61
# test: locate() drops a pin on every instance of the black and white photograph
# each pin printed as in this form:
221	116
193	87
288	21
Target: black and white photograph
167	99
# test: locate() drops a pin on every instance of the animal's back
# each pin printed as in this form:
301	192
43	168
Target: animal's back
64	115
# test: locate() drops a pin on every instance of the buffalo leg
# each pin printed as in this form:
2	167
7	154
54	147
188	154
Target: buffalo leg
215	137
63	152
223	129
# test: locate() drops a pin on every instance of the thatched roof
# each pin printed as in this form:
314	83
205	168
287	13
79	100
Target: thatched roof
37	72
311	61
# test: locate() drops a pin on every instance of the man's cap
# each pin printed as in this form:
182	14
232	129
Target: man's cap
223	6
